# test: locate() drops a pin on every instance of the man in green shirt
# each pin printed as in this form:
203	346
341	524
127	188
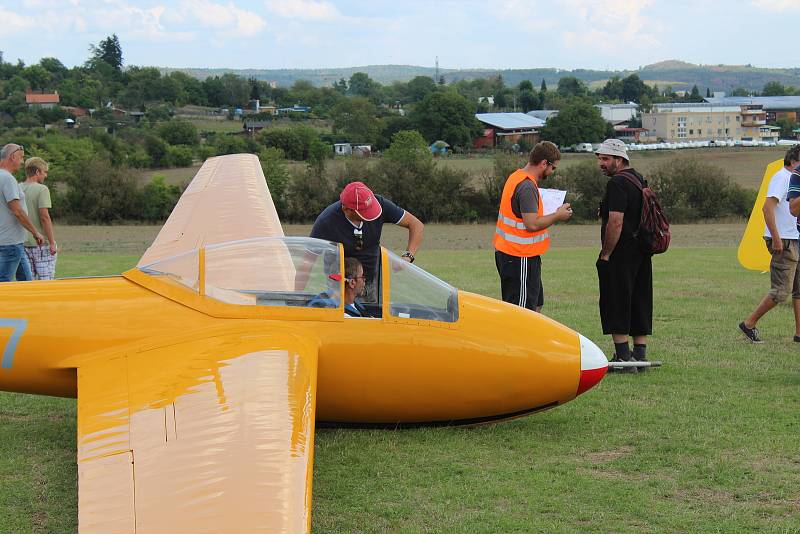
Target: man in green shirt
37	198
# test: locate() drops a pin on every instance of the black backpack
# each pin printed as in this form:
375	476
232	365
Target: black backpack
653	233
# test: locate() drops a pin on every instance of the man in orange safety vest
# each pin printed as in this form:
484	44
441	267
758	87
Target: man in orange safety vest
521	235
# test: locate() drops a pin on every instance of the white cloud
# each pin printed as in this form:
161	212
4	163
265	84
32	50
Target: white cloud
223	17
13	23
609	26
777	5
305	9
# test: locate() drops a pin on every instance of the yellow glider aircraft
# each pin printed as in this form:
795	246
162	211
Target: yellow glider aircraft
200	373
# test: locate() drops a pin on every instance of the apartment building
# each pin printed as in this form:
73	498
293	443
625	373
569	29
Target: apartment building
693	122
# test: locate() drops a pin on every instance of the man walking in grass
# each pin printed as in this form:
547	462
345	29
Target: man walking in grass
780	236
42	258
624	272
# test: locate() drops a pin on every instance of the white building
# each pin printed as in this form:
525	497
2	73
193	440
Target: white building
616	113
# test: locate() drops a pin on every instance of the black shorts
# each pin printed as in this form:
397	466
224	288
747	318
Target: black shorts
520	279
626	293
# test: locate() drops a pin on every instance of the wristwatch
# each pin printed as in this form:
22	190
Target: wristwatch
409	255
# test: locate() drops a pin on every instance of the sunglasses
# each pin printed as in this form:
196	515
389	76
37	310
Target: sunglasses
551	164
359	235
20	148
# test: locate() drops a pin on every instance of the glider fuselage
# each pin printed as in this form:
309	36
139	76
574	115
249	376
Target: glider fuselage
496	361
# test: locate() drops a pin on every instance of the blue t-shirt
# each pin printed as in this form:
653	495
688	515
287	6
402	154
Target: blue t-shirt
332	225
794	188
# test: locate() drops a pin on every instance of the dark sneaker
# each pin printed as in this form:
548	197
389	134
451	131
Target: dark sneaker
750	333
797	339
638	359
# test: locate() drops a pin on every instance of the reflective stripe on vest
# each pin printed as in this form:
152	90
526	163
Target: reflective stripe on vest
511	236
510	222
522	240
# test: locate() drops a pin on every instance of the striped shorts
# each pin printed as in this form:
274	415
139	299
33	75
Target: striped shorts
43	264
520	280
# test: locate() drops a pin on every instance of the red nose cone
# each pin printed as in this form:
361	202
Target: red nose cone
590	378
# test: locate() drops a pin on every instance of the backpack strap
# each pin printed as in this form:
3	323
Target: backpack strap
632	178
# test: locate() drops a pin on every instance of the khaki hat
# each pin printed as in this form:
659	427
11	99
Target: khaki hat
613	147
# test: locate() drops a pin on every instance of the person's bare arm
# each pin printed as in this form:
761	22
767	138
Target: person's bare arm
47	226
415	231
612	233
534	222
794	206
769	217
16	208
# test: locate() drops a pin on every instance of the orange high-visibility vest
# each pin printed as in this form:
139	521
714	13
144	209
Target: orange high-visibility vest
510	234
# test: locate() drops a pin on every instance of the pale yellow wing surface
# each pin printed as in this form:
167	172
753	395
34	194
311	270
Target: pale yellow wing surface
227	200
211	435
752	252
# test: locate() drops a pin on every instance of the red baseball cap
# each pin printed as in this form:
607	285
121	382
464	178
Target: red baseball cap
359	198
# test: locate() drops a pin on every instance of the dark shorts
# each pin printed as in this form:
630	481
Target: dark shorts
520	279
626	293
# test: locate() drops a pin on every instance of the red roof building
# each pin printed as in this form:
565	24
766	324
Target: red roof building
45	100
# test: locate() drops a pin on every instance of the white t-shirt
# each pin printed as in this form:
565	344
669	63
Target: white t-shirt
784	220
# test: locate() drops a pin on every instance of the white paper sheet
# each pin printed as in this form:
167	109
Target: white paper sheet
552	199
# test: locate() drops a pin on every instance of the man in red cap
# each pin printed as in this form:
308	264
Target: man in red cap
356	222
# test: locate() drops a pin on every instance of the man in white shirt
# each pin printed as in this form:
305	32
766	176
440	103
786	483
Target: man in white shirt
781	237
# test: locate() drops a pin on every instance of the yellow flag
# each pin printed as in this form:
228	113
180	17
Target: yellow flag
752	252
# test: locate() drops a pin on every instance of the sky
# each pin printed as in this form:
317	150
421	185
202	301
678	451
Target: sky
271	34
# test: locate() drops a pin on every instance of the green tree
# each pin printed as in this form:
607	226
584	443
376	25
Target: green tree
525	85
571	86
543	87
448	116
362	85
108	51
577	122
340	86
157	150
407	146
613	88
787	126
420	87
774	89
177	132
528	100
355	120
38	77
633	88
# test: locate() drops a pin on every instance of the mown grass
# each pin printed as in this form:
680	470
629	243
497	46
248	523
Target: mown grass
706	443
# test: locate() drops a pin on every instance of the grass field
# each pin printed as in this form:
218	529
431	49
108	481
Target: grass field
707	443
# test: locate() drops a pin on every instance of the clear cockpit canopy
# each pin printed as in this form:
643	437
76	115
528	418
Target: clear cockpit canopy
273	271
417	294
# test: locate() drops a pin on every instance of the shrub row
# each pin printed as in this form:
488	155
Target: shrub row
101	187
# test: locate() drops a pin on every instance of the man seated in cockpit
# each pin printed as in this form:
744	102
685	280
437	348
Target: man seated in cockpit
353	287
354	284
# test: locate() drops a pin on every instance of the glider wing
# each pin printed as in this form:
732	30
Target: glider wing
753	254
227	200
211	435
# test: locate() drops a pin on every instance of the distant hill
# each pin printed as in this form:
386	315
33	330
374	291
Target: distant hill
679	74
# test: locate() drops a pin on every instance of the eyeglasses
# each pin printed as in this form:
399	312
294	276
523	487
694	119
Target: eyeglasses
359	235
553	165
